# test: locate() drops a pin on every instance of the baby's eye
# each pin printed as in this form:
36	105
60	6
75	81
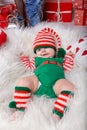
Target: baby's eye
38	49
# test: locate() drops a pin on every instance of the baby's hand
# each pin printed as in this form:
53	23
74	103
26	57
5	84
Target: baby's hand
71	54
23	57
68	61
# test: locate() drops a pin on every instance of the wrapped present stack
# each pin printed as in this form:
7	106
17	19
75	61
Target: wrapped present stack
58	10
80	12
7	12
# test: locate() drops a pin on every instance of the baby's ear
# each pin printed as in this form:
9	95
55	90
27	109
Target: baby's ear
61	53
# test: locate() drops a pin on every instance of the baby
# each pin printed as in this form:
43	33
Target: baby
48	79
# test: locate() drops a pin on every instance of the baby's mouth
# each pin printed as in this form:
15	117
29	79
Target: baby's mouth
44	54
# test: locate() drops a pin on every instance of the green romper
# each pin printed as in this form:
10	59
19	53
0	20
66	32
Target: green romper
48	71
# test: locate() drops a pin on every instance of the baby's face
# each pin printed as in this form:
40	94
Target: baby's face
45	52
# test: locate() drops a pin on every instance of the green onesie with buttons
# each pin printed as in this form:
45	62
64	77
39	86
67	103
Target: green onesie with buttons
48	71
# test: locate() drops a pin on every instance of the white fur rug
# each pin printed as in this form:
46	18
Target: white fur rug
38	115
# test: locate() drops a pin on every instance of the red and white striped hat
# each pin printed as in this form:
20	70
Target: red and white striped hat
47	37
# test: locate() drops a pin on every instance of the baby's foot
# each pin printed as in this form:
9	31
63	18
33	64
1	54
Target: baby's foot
56	117
13	116
16	115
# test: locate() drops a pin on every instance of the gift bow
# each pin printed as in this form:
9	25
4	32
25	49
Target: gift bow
58	13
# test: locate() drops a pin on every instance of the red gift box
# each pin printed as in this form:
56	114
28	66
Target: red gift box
56	10
80	4
7	11
80	17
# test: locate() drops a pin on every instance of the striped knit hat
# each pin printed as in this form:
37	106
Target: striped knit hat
47	37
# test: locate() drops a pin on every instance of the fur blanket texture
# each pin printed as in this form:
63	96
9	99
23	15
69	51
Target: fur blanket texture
38	115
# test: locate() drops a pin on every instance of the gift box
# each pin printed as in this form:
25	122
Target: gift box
80	17
58	10
7	12
80	4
